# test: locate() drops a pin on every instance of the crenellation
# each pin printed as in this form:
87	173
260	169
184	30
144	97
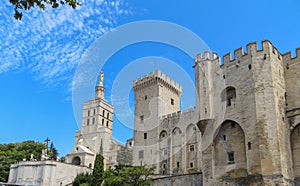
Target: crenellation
157	76
207	56
178	113
238	53
227	58
252	48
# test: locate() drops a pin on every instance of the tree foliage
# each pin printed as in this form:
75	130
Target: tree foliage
28	4
128	176
53	153
124	156
83	179
15	152
98	171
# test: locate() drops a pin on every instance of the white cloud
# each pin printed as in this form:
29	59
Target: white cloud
51	43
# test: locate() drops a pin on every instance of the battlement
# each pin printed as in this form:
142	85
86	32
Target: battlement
178	114
157	76
207	56
288	59
251	50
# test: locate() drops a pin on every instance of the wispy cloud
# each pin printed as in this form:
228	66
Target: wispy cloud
51	43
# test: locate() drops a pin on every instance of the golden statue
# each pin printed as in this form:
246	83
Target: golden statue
101	78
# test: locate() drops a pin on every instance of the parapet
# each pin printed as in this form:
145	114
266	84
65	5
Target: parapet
207	56
157	76
288	59
178	114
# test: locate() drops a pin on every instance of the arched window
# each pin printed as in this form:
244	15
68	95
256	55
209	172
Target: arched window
228	95
163	135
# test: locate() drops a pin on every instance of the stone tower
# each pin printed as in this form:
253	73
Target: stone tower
155	95
96	131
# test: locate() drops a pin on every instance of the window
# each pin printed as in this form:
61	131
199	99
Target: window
249	145
172	101
228	102
102	122
107	115
103	112
191	164
178	164
223	76
87	121
145	135
192	148
164	165
142	118
93	122
146	97
230	157
88	112
107	123
141	154
94	112
224	137
249	67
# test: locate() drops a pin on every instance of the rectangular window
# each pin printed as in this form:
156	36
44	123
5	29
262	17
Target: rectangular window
141	154
228	102
230	157
87	121
142	118
192	148
107	115
88	112
103	113
178	164
102	122
191	164
172	101
94	112
93	121
145	135
107	123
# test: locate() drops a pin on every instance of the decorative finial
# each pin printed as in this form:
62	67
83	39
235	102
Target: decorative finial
101	77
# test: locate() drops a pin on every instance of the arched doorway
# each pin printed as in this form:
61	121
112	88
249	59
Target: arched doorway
295	143
76	161
229	148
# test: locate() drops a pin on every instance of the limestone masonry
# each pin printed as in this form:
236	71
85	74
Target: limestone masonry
243	130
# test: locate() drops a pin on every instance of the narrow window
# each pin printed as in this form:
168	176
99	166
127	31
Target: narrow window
93	122
88	112
223	76
145	135
94	112
172	101
141	154
228	102
102	122
107	115
178	164
107	123
146	97
205	110
142	118
192	148
87	121
103	112
164	165
224	137
163	172
249	67
191	164
230	157
249	145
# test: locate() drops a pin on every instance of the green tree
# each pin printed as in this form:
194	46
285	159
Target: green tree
128	176
83	179
124	156
20	5
98	169
15	152
52	151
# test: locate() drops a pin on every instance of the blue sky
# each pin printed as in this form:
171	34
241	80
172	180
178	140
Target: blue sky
39	55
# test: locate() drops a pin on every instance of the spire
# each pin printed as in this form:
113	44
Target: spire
100	88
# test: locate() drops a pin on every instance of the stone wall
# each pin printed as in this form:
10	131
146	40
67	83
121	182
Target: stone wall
194	179
46	173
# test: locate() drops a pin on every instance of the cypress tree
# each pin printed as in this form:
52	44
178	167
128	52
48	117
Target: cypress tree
98	169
